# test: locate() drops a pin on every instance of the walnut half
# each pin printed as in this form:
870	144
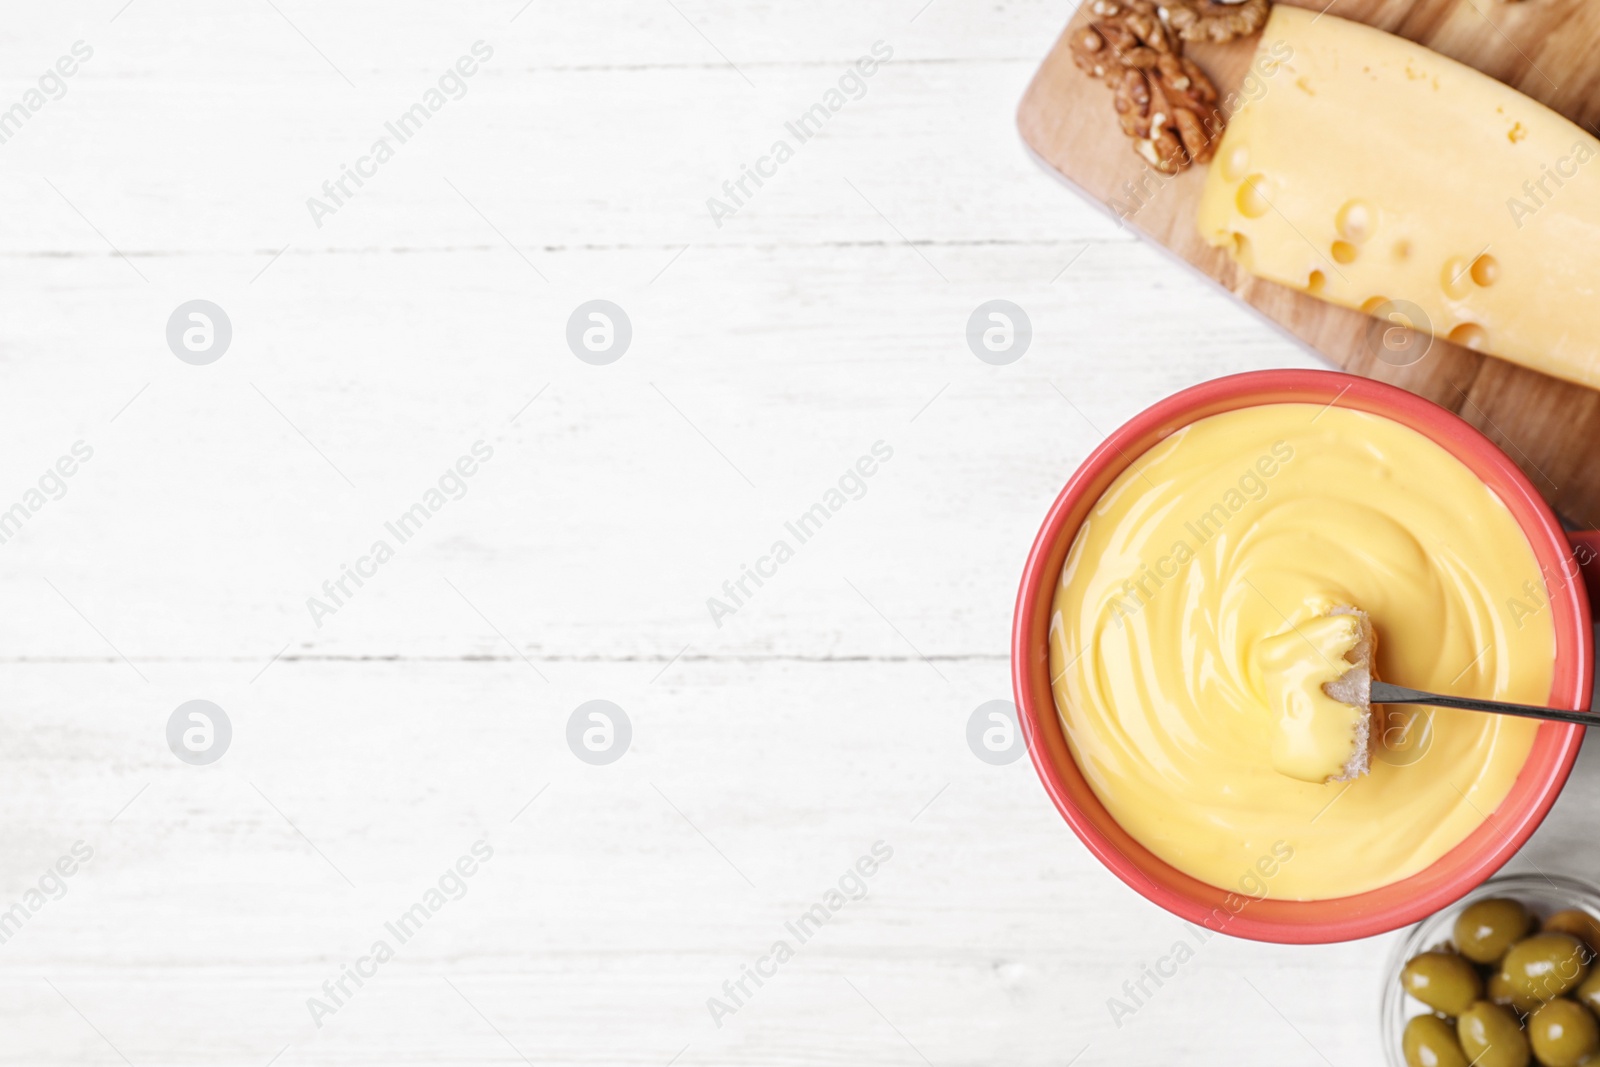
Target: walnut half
1215	20
1163	101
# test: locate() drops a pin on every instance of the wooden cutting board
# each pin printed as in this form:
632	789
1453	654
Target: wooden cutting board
1544	48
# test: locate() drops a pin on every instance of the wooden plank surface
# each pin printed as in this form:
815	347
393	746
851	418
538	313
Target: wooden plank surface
1544	49
828	314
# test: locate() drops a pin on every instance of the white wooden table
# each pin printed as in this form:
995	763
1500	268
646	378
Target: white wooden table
428	313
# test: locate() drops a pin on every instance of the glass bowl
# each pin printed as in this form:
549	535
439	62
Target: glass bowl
1542	894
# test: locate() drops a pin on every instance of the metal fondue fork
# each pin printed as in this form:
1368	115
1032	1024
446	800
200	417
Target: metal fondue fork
1384	693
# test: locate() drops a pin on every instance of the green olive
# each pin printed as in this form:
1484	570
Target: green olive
1498	989
1491	1036
1577	922
1545	966
1487	928
1588	992
1430	1041
1443	981
1562	1033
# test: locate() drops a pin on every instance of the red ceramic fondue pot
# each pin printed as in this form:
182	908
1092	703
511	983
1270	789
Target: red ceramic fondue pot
1568	561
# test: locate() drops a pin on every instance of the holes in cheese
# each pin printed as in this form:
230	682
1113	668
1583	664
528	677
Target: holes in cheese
1355	221
1456	278
1470	335
1239	248
1485	270
1461	275
1235	163
1396	176
1252	199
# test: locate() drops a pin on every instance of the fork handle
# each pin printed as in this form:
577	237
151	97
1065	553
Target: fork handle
1384	693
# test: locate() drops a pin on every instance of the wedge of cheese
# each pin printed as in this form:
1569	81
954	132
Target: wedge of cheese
1370	172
